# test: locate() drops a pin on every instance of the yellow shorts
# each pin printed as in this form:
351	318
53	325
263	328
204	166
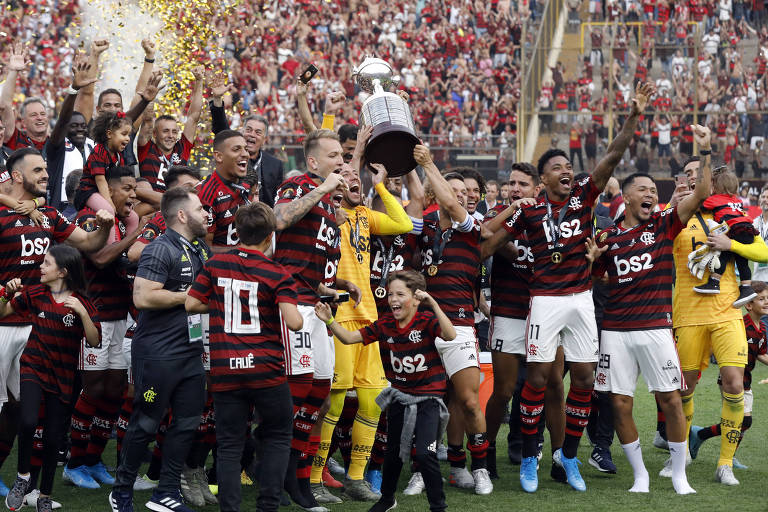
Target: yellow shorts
358	365
726	340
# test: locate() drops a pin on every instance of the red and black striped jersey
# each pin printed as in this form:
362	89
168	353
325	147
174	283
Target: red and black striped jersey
510	279
727	208
23	246
454	286
20	139
221	199
153	163
568	271
51	354
99	161
640	266
411	361
243	289
309	249
154	228
756	346
399	250
109	288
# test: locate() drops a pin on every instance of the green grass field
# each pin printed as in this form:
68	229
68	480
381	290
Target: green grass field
604	492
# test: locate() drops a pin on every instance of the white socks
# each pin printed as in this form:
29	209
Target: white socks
635	456
677	452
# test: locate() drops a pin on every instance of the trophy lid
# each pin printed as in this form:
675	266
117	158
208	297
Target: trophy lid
374	69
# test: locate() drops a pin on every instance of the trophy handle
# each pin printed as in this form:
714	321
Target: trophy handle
396	81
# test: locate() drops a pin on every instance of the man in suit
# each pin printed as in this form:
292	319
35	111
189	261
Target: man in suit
264	170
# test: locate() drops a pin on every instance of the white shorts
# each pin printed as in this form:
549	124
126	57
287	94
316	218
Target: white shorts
626	354
309	350
507	335
109	354
566	319
13	339
460	353
749	399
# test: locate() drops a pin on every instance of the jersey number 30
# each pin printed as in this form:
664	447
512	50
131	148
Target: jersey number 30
235	319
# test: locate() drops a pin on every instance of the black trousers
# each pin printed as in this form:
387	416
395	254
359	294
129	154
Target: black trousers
175	383
32	395
424	456
233	409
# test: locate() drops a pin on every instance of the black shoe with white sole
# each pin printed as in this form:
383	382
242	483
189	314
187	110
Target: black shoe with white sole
711	287
167	502
746	294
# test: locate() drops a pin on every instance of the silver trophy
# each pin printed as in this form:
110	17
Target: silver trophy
394	137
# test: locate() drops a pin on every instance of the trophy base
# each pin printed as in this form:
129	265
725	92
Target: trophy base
393	149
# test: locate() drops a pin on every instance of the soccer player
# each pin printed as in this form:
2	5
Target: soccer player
708	324
306	245
222	192
450	250
358	366
758	351
103	368
637	336
24	245
247	356
557	227
414	404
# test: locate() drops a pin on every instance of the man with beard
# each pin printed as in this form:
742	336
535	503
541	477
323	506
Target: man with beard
166	352
358	367
263	169
24	245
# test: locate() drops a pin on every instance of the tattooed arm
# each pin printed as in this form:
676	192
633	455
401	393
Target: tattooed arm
289	213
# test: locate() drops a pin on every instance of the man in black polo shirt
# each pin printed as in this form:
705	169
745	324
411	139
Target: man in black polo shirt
167	345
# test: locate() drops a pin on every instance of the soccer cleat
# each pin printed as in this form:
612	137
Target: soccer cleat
329	481
415	485
32	497
359	490
711	287
99	473
666	471
323	495
190	489
44	504
660	442
572	474
121	501
80	477
201	479
167	502
529	478
746	294
694	441
3	488
373	477
384	505
143	484
724	475
602	461
483	484
558	471
442	452
461	478
334	467
15	498
738	465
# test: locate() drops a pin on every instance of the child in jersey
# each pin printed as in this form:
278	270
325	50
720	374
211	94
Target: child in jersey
61	317
727	207
414	404
112	133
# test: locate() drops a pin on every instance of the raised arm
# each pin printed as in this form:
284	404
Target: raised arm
692	202
195	104
395	221
219	85
146	70
289	213
415	208
305	114
442	190
84	101
604	169
17	62
146	96
81	77
447	330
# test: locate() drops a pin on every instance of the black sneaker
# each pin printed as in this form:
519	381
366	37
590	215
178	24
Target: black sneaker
601	460
558	471
746	294
44	504
711	287
15	498
384	505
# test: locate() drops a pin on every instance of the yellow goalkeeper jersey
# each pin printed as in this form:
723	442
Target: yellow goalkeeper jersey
355	262
691	308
